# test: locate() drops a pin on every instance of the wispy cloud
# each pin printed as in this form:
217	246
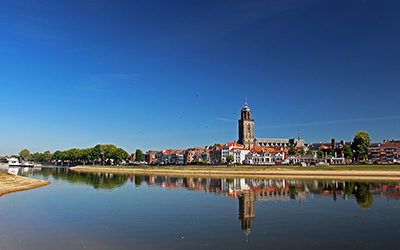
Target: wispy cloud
340	121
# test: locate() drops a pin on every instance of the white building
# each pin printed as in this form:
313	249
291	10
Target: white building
236	150
265	156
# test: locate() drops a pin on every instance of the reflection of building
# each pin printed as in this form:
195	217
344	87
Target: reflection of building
248	191
246	210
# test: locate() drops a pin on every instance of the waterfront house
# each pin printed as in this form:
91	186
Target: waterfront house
151	157
265	155
386	152
236	150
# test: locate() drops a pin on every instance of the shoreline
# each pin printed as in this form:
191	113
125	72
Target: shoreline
274	172
15	183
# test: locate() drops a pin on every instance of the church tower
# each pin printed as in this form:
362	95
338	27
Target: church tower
246	127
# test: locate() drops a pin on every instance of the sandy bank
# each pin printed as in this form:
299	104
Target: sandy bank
250	173
13	183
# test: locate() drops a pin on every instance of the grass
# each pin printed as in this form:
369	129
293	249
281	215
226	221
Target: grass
261	168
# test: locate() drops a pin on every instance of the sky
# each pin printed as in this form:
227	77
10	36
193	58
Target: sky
175	74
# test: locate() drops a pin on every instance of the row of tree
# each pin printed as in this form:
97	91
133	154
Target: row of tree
99	154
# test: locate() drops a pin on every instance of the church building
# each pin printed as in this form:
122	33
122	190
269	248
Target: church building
248	140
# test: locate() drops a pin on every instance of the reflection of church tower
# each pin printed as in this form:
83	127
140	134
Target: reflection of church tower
246	210
246	127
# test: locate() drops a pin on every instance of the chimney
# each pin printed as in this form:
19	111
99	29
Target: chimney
333	142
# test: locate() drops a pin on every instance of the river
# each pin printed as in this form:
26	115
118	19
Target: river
105	211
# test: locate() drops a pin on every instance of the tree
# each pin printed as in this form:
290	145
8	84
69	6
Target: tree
229	159
320	153
292	150
348	153
120	155
24	154
139	155
301	151
360	145
47	156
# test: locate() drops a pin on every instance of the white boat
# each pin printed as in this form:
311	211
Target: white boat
13	162
27	164
13	170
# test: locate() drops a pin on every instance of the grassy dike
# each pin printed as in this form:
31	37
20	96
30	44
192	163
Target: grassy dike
359	172
13	183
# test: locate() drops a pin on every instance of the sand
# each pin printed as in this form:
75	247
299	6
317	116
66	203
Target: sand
13	183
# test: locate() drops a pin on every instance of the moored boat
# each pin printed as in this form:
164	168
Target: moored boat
13	162
27	164
13	170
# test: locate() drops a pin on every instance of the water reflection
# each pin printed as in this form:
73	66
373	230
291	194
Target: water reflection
97	181
246	191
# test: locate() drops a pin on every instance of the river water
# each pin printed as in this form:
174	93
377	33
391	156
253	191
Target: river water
105	211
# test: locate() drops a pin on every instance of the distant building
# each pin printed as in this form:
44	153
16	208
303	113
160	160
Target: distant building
215	154
151	157
246	127
386	152
234	149
265	156
248	140
171	157
132	157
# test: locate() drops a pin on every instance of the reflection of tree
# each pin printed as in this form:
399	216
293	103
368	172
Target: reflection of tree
363	195
138	180
292	192
98	180
349	188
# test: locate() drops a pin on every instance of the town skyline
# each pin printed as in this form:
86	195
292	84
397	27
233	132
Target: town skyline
135	75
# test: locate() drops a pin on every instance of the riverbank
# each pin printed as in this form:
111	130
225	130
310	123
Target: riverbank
362	172
14	183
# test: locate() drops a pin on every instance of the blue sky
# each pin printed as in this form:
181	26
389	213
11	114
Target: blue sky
158	74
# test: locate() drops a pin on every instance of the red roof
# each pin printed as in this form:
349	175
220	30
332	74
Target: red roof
234	144
391	144
259	149
324	147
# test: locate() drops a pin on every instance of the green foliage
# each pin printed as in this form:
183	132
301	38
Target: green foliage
292	150
363	195
229	159
229	180
24	154
320	153
360	145
348	153
98	154
301	151
139	155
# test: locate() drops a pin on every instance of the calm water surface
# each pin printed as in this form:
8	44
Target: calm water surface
102	211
